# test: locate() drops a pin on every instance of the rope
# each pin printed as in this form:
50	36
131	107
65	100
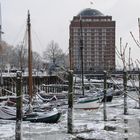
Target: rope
126	92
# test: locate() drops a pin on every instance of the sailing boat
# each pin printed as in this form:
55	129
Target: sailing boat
47	117
40	116
85	102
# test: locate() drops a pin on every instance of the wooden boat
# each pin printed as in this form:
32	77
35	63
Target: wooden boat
45	117
88	103
94	101
109	95
9	113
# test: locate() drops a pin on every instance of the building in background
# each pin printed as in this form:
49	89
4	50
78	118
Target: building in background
97	33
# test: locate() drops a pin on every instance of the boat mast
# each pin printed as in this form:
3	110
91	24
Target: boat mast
81	51
1	32
139	27
29	59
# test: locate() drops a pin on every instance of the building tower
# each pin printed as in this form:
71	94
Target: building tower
98	40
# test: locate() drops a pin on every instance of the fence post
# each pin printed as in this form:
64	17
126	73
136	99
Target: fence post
125	91
70	103
18	135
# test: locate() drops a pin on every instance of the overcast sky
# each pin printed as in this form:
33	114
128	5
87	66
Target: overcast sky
50	20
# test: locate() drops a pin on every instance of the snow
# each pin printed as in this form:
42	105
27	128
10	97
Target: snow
87	124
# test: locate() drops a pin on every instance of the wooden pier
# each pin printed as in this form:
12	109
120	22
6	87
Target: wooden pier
46	83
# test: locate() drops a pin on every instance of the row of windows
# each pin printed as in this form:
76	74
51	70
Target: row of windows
99	29
76	37
95	41
93	33
94	59
96	19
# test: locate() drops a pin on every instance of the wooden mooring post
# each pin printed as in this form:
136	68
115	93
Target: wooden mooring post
125	91
105	90
139	89
19	114
1	83
70	103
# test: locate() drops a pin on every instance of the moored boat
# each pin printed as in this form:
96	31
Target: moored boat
9	113
45	117
88	103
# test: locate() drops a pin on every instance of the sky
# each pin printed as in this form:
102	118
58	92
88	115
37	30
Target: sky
50	20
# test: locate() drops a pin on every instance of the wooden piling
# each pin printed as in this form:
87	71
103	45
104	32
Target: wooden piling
125	91
105	90
70	103
1	83
19	114
139	88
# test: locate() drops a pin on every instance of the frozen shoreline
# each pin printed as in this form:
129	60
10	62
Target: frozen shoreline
87	124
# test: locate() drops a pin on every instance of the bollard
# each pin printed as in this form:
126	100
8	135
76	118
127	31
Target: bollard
105	88
19	114
70	103
125	91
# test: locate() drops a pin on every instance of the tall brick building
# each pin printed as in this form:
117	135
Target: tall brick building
95	34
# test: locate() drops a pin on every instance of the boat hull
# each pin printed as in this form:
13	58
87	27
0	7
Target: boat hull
87	105
44	117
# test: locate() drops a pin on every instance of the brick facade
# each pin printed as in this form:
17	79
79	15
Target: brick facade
98	37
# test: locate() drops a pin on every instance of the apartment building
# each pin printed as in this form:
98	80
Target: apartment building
92	42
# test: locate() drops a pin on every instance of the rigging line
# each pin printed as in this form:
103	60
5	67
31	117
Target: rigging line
18	34
41	44
138	61
123	91
25	37
8	91
134	85
67	50
135	40
25	42
138	43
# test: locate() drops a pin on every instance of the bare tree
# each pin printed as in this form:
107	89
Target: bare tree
53	53
5	54
20	59
37	61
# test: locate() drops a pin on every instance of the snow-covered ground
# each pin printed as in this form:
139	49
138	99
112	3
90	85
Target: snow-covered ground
88	124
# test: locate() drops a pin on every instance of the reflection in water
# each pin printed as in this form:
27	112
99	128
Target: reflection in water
125	129
139	126
109	128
